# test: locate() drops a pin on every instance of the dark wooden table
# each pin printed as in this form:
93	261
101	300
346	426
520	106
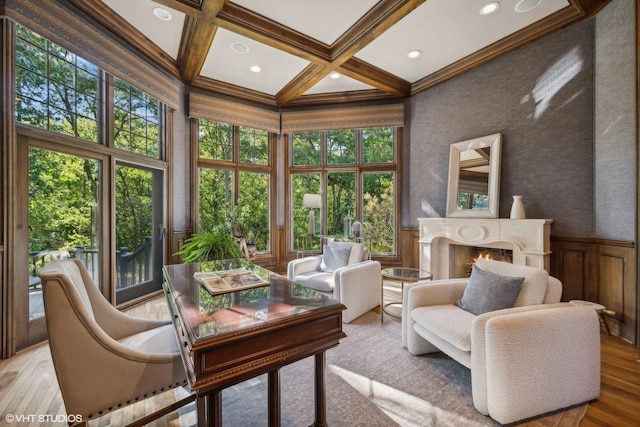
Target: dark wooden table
234	336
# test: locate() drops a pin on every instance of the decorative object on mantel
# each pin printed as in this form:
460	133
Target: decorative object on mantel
517	209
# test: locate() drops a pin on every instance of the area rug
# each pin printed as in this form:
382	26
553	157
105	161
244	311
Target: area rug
371	380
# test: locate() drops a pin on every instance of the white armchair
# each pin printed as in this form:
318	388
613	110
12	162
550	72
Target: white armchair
535	357
354	280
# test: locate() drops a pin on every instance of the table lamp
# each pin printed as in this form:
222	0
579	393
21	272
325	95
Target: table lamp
311	201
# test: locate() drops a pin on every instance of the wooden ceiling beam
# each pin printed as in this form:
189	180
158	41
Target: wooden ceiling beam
234	91
197	37
380	18
375	77
484	152
341	97
473	163
305	80
188	7
256	27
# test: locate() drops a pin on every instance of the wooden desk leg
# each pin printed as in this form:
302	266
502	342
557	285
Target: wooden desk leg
209	409
321	397
201	410
274	398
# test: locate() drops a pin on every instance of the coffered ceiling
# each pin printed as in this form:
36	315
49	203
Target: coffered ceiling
311	51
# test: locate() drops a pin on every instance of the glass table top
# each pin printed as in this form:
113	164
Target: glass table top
209	305
406	273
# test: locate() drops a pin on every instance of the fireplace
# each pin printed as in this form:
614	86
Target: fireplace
521	241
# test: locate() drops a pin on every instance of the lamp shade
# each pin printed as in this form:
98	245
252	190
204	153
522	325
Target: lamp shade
311	201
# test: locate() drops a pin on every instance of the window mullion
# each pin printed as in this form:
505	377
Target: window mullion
359	160
236	160
323	148
105	109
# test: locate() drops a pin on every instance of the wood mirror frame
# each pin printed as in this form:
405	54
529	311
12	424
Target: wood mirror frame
474	173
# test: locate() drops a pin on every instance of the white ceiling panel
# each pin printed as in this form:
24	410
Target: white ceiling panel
139	13
324	20
341	84
277	67
446	31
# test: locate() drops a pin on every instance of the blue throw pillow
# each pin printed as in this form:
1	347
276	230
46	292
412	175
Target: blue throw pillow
334	257
488	291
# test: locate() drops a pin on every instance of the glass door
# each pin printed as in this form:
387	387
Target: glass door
139	231
64	222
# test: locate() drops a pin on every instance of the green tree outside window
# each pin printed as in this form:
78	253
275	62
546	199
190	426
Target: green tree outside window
55	89
306	148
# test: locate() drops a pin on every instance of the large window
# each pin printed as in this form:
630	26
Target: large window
215	140
235	176
354	172
136	118
58	91
55	89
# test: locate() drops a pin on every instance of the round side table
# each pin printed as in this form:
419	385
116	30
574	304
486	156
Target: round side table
401	274
599	308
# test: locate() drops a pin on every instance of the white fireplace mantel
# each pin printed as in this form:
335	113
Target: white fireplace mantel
529	239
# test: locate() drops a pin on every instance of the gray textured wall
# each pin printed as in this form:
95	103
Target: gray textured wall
615	122
541	98
181	167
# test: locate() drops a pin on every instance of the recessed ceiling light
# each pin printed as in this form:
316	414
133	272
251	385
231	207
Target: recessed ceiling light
335	75
240	48
526	5
489	8
414	54
255	69
161	13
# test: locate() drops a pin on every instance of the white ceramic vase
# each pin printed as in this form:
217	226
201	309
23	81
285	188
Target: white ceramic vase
517	209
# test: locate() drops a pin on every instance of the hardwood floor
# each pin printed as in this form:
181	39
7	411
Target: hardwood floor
28	386
619	402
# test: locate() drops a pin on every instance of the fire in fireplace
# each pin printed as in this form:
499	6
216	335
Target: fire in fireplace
464	257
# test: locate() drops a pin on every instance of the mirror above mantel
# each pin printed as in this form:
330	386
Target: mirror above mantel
474	178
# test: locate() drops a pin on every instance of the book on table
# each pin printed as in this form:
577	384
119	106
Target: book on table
237	279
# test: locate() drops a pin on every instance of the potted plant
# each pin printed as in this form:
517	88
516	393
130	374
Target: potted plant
209	246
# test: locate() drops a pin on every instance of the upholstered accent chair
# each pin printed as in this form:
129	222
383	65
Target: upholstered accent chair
534	356
343	272
103	358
